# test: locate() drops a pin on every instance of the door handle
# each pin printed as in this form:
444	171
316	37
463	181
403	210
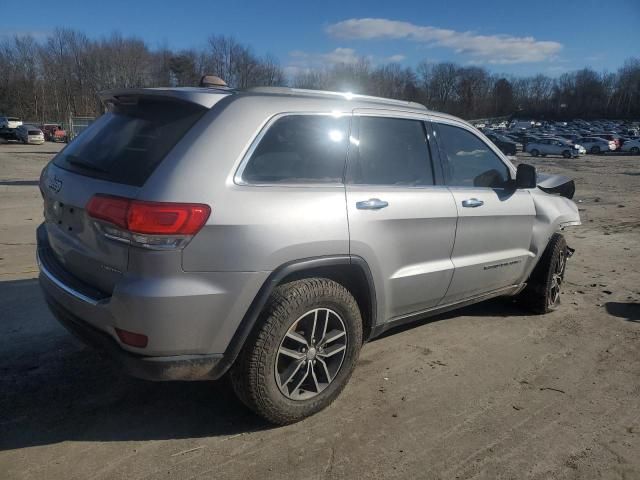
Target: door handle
371	204
472	203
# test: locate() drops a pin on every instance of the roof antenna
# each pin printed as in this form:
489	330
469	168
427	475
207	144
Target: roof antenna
212	81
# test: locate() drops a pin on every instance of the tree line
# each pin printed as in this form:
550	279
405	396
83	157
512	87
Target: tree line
60	76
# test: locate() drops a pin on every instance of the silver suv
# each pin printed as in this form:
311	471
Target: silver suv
270	232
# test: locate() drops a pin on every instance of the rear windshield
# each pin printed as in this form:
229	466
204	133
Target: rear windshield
34	132
126	144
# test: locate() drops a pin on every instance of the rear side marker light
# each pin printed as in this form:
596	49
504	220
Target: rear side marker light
156	225
132	339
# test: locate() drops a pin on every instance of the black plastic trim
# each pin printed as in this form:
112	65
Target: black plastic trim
177	367
417	316
250	318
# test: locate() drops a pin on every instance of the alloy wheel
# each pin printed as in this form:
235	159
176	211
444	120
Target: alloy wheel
311	354
556	279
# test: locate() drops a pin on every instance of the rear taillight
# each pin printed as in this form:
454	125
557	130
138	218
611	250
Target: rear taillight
157	225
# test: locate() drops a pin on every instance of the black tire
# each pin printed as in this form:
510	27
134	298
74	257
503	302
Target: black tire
253	375
535	153
635	150
595	150
542	293
566	154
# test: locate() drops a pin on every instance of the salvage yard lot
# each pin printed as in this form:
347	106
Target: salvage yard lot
487	392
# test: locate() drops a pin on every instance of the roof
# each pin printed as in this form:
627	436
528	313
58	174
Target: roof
303	92
208	96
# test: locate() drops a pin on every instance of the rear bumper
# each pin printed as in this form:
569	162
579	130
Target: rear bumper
189	318
176	367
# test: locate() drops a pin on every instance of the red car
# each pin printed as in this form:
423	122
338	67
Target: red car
53	132
611	137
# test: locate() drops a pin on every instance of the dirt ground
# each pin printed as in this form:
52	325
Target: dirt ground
486	392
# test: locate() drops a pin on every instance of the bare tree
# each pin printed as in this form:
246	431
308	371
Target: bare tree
62	75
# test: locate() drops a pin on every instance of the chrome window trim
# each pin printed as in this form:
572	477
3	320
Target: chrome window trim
237	178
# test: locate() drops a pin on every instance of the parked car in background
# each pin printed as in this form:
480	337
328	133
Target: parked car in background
53	132
508	147
572	137
527	139
10	122
7	134
597	145
30	134
612	137
553	146
631	146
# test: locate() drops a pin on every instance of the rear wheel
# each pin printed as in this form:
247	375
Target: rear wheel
595	150
302	353
535	153
542	293
635	150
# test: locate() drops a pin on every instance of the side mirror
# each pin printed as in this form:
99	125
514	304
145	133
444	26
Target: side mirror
526	176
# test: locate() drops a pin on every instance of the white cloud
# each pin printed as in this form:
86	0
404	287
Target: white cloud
487	48
301	61
397	58
339	55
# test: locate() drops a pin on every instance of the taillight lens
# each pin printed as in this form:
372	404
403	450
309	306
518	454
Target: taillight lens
110	209
167	218
148	224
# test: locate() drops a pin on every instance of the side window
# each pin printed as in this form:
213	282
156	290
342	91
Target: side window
390	151
300	149
470	161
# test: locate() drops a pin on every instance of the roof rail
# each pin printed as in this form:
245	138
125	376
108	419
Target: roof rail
329	94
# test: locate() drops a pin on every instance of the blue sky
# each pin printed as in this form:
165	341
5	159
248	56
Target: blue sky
513	37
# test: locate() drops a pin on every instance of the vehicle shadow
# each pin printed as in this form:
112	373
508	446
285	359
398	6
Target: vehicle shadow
36	152
19	183
496	307
630	311
53	389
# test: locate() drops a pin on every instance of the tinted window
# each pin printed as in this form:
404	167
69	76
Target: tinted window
391	151
470	161
126	144
300	149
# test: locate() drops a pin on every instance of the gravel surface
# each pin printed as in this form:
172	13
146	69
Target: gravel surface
486	392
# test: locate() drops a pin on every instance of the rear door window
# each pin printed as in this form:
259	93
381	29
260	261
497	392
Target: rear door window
391	151
300	149
469	161
126	144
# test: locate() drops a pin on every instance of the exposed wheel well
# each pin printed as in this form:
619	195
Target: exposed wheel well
354	279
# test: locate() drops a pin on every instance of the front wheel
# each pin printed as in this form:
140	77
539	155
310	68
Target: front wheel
566	154
595	150
535	153
542	293
635	150
302	353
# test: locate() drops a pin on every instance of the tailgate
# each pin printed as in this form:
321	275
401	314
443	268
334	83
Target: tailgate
74	241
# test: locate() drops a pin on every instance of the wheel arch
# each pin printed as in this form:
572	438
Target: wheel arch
351	271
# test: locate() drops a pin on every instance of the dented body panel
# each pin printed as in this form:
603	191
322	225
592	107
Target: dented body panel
553	213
